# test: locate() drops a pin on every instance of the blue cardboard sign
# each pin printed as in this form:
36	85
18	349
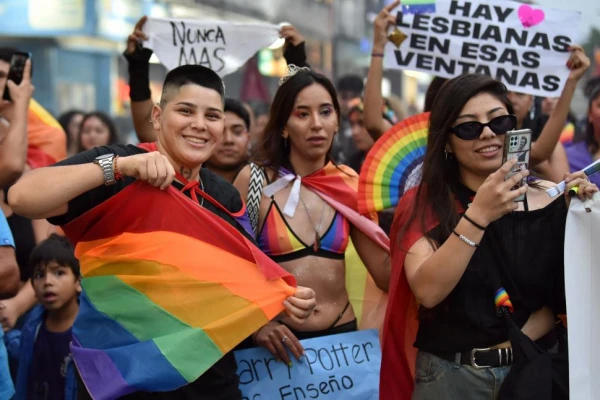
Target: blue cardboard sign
344	366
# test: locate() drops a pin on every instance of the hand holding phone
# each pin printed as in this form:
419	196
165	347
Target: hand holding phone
20	96
517	144
16	71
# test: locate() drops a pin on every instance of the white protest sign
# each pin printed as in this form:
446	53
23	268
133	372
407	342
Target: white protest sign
582	285
221	46
526	48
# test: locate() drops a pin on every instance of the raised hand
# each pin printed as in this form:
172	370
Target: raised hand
291	35
381	25
138	36
20	95
578	63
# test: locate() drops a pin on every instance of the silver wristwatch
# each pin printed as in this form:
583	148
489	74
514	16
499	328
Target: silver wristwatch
105	162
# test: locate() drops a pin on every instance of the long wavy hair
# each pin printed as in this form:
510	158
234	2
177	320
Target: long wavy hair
273	152
440	174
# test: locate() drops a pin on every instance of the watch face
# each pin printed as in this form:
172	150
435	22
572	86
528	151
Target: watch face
104	156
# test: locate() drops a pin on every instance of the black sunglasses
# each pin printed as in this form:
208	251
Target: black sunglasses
472	130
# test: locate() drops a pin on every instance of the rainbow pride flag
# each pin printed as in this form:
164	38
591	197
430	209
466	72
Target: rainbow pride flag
47	139
338	185
418	6
568	134
168	289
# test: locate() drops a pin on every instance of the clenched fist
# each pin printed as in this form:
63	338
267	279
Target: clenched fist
153	168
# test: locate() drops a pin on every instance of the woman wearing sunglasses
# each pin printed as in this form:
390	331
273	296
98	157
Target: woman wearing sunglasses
467	234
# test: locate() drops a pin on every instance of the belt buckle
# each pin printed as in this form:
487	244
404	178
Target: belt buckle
473	363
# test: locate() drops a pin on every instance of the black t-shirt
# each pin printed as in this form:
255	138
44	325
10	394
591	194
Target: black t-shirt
220	382
522	252
48	370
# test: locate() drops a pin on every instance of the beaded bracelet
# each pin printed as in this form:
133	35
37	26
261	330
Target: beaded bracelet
465	239
377	55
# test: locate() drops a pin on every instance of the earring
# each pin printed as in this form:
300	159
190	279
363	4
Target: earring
447	155
286	143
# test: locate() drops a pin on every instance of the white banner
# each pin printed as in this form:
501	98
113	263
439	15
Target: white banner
221	46
525	47
582	284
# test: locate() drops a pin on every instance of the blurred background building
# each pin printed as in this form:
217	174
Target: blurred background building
77	45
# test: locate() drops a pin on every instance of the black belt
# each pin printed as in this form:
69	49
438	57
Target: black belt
481	358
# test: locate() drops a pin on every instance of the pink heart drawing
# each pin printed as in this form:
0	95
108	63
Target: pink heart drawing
530	17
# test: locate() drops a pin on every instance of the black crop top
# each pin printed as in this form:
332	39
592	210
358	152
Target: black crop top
526	248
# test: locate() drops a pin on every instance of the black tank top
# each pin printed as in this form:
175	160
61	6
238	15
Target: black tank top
526	248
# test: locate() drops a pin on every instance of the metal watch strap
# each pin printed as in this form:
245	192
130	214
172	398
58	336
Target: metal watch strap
106	164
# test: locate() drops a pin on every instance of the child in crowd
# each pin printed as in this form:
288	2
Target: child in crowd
46	368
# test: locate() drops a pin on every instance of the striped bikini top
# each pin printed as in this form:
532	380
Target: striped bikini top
277	240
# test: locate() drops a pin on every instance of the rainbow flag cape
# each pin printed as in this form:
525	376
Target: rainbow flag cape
47	140
399	356
168	289
338	186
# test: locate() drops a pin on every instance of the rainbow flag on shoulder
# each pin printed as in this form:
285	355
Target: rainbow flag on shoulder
168	289
47	139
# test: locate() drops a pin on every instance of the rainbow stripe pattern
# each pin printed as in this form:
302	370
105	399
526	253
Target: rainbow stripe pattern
338	185
276	237
501	299
568	134
418	6
393	164
47	140
168	289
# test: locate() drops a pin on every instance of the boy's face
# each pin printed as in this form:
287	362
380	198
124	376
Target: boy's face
55	285
233	149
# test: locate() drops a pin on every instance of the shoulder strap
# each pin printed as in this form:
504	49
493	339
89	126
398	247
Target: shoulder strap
255	188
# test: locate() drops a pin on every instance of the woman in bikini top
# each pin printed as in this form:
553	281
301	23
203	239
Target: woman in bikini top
309	242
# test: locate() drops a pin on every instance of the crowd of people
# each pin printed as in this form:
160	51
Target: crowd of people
456	240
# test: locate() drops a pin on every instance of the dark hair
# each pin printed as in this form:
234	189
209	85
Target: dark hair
6	53
261	109
592	91
65	119
237	107
106	120
440	177
434	87
192	75
56	249
351	83
273	151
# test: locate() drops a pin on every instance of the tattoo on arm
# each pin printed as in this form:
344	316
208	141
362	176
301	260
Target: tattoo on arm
186	173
